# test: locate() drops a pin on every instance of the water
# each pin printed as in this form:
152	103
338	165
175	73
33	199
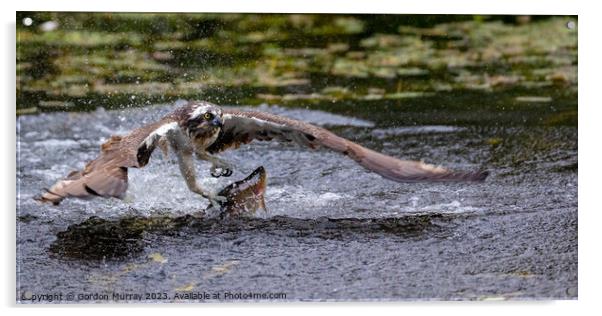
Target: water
333	231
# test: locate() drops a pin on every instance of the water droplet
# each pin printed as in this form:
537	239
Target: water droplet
133	97
27	21
570	25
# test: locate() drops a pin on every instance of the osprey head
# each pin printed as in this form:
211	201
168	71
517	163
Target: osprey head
202	119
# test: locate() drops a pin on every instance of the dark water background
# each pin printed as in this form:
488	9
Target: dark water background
468	92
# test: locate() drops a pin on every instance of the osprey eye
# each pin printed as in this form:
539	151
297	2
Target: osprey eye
207	116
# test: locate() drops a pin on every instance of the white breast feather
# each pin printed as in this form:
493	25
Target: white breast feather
160	132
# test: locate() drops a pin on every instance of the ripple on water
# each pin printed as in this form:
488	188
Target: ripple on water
415	130
332	229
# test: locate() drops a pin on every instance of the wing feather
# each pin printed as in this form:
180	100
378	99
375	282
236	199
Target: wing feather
107	175
241	127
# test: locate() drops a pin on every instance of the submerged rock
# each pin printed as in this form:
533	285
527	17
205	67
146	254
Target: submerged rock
101	239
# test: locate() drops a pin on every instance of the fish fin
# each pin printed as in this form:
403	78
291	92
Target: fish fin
262	205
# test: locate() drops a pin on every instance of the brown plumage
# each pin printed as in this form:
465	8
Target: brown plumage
106	176
244	127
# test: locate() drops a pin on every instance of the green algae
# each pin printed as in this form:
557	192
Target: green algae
468	65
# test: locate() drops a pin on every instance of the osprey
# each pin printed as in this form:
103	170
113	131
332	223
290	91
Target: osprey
204	129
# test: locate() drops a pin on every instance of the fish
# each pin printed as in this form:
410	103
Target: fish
243	197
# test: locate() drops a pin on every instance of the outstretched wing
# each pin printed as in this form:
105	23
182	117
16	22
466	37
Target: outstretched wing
243	127
107	175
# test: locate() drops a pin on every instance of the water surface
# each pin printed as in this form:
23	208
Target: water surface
333	231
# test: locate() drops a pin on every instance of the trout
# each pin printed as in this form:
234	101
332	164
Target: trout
243	197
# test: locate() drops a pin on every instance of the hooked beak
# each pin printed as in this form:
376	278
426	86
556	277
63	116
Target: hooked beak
217	122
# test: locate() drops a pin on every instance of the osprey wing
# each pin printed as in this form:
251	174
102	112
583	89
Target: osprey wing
241	127
107	175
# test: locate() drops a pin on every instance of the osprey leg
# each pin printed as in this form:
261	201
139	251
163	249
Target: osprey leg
186	164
